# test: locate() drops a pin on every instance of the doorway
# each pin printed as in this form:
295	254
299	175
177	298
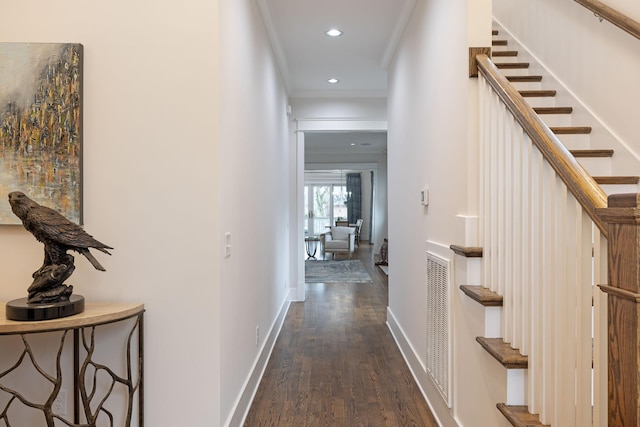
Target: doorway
365	152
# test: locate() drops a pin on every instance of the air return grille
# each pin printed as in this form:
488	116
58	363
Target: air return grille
438	360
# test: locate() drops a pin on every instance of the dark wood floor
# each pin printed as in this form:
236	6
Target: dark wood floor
336	363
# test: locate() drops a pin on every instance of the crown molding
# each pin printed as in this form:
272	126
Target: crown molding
339	94
278	51
394	40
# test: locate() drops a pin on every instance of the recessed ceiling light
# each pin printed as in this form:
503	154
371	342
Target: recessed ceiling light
333	81
334	32
352	144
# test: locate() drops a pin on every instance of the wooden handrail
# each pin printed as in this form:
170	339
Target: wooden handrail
616	18
583	187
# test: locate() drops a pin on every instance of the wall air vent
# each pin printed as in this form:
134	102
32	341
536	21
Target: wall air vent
438	360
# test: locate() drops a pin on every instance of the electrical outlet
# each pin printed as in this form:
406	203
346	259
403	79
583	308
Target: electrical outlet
60	403
257	335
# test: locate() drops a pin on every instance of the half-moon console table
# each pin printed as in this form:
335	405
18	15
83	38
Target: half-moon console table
93	382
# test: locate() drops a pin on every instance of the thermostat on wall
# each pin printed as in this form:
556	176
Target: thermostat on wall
424	196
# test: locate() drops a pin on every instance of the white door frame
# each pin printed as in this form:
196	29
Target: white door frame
317	126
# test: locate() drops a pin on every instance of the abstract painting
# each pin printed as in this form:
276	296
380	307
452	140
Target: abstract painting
41	126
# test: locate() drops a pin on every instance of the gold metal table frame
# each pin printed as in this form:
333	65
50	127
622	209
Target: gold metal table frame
83	327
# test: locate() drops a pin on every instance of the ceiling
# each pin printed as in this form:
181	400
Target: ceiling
358	58
307	57
345	142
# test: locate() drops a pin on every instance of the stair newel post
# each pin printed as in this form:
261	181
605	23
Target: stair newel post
623	235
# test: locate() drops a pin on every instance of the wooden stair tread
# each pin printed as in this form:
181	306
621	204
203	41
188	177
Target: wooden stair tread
553	110
503	53
617	179
508	357
537	93
499	42
494	32
524	79
511	65
571	130
592	153
519	416
467	251
484	296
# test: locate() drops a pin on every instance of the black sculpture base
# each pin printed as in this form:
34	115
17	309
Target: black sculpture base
20	309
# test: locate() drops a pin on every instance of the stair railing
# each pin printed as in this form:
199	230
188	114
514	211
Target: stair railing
618	19
545	250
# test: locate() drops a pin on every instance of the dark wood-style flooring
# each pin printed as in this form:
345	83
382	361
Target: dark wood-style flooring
335	362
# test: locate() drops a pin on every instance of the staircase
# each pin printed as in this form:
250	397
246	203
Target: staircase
596	159
576	137
503	353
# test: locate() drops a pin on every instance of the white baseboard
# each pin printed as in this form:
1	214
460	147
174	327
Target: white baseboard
438	406
244	400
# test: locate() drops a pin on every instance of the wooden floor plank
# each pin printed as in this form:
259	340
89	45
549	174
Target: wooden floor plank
335	362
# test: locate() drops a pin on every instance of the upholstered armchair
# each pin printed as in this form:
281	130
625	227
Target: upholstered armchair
339	239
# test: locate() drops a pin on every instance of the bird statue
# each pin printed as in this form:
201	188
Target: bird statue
58	235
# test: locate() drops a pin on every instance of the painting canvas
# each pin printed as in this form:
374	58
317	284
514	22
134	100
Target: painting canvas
41	126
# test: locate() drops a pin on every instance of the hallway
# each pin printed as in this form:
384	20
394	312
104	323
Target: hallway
336	364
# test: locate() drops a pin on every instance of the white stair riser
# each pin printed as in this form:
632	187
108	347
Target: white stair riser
576	141
506	59
500	48
596	166
620	188
554	120
492	322
513	71
527	85
541	101
516	387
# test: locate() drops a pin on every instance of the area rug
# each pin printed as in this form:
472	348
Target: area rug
351	271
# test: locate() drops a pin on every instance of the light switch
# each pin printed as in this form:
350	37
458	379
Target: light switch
424	196
227	245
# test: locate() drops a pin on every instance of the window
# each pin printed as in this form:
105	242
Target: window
323	205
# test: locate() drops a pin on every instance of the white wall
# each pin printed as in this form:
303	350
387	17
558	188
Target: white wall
155	158
255	198
596	61
426	145
339	108
432	119
150	181
630	8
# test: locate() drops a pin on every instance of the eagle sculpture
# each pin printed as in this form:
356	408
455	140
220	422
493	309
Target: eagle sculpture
58	235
